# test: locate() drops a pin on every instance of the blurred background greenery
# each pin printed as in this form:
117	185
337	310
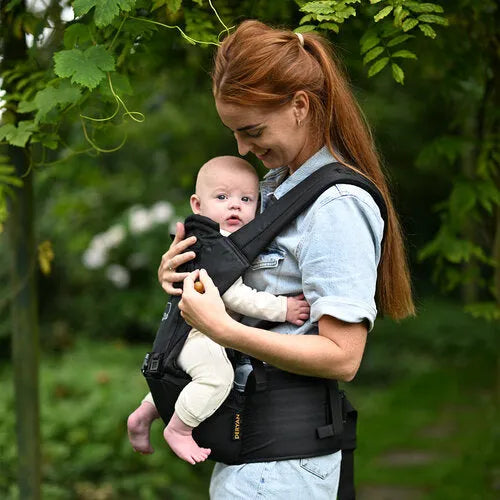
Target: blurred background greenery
427	390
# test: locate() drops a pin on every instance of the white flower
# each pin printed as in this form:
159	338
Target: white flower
118	275
139	220
94	258
99	242
114	235
162	211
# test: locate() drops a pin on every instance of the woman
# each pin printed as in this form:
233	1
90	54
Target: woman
286	101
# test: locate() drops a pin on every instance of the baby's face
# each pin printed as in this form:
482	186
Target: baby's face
228	197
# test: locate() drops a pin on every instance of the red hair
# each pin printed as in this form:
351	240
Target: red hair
264	67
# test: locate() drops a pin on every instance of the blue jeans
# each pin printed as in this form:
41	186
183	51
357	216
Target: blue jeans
315	478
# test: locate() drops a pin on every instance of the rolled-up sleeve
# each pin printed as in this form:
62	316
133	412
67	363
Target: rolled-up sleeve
338	256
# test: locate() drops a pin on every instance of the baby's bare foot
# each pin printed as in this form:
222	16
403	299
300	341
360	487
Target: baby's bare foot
138	427
179	437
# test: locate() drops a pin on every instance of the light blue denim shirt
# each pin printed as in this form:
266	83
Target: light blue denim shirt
330	252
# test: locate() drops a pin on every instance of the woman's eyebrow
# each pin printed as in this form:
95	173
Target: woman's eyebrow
248	127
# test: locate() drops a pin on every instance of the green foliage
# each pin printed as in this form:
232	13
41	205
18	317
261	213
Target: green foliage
7	179
86	453
87	68
380	36
437	374
105	10
17	135
49	98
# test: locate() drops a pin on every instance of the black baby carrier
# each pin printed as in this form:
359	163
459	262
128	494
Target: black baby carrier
279	415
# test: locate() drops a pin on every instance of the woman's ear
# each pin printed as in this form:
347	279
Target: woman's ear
195	203
300	105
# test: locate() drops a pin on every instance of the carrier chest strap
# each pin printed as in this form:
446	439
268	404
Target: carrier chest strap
258	233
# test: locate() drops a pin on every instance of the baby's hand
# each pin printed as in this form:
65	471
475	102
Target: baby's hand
297	310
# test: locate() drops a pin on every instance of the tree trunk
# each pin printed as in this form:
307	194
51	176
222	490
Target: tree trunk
21	243
25	350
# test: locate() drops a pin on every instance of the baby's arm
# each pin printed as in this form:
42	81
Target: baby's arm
245	300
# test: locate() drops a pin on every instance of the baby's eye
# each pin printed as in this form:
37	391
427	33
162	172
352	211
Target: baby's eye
246	199
221	197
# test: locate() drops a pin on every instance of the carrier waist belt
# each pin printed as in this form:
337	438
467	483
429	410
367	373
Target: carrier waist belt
279	416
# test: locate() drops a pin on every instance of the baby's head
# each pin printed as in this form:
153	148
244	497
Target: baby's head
227	191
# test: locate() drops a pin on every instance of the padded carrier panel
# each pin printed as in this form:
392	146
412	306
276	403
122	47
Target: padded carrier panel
280	415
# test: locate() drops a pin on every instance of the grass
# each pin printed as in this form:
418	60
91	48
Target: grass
427	397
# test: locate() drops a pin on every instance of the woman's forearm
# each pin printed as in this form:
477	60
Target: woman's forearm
315	355
335	352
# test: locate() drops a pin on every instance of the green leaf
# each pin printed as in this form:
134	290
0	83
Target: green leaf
399	15
369	43
489	311
55	97
329	26
85	68
306	28
8	176
378	66
173	5
462	200
409	24
26	106
75	35
17	136
383	13
431	18
398	73
488	195
105	10
373	54
427	30
404	54
322	7
373	2
306	18
399	39
423	7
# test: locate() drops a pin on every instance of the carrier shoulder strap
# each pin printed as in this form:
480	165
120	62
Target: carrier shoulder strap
257	234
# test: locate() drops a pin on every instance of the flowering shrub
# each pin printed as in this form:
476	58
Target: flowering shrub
104	247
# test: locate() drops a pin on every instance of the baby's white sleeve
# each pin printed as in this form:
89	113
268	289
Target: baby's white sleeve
148	399
247	301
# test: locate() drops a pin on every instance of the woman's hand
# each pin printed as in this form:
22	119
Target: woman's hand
204	311
173	258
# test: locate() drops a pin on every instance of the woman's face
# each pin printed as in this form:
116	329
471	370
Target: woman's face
274	137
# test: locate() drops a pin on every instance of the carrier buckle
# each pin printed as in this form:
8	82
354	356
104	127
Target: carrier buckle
154	363
144	366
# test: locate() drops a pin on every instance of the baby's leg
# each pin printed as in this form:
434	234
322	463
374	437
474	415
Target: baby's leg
212	378
139	424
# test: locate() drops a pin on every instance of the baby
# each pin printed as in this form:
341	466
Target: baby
227	191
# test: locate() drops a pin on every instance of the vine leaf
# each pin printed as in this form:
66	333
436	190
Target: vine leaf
76	34
49	98
105	10
84	67
17	136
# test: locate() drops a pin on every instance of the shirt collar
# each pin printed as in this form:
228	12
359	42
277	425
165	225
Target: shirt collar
276	183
